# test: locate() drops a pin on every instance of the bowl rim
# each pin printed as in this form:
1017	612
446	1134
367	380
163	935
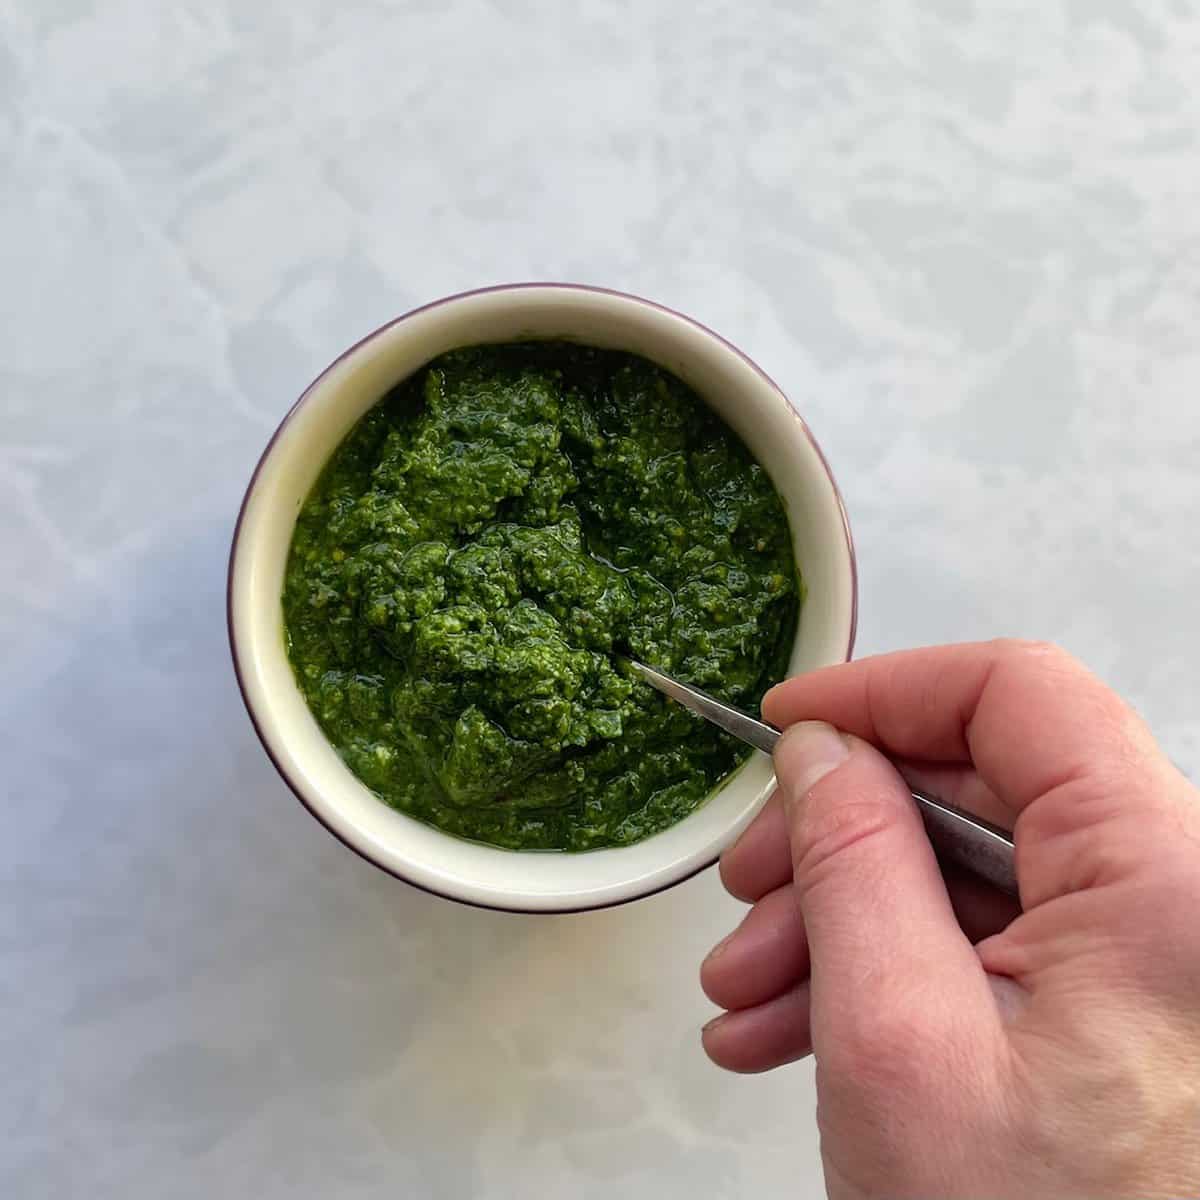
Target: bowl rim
304	397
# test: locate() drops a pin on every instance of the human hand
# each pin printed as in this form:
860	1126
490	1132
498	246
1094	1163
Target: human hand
964	1047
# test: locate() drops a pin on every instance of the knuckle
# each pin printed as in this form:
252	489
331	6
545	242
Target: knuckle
825	834
1049	666
1032	651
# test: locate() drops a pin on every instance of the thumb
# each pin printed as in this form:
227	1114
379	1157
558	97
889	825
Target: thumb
889	961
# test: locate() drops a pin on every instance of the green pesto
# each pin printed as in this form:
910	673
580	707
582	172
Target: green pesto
477	555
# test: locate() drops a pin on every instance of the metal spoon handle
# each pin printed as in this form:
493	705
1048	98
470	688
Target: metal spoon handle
982	848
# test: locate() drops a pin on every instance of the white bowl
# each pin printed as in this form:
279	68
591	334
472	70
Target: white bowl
737	389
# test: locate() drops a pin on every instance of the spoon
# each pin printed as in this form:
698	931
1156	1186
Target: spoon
984	849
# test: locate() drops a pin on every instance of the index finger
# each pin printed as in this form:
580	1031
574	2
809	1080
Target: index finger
1026	714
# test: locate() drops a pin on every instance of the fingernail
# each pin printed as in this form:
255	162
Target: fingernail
807	753
719	948
713	1024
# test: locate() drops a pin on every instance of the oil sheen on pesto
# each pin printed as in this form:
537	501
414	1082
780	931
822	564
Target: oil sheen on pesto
480	550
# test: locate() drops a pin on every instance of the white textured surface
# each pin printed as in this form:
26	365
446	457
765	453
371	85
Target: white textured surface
964	236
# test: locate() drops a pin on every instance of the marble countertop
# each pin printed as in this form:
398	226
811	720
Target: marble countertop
965	238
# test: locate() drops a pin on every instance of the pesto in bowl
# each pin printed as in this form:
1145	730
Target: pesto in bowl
480	550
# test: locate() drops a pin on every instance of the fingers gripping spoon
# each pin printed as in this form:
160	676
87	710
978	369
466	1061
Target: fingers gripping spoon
982	848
